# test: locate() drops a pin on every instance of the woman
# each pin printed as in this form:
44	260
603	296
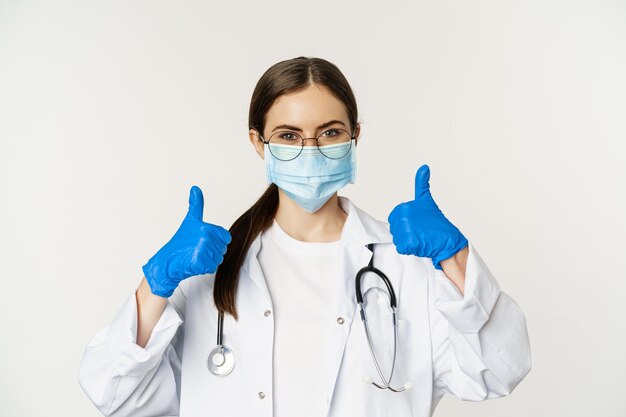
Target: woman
285	290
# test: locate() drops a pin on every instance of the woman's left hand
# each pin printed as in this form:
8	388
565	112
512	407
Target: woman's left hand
420	228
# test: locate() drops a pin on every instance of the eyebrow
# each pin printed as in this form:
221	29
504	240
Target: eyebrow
297	129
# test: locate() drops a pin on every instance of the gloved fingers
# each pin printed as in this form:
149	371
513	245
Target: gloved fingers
215	238
203	263
213	247
216	256
223	234
406	244
211	250
399	210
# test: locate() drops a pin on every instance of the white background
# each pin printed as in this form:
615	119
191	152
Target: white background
110	111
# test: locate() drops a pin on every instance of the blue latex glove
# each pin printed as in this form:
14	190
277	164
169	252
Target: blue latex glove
420	228
196	248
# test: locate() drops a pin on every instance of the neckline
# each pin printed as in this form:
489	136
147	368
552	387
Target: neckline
289	243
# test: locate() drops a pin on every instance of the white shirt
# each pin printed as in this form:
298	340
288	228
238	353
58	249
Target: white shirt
300	277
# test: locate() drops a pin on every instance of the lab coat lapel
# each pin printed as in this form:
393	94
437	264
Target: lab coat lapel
252	268
344	305
358	230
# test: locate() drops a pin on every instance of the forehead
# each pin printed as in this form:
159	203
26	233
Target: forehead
306	108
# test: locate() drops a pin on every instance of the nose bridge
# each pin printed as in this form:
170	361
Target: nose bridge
313	139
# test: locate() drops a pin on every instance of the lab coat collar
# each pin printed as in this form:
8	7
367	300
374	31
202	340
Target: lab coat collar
359	230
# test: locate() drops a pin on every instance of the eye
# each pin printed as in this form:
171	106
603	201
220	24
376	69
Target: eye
334	132
288	136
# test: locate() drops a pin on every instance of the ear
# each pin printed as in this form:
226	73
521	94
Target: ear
357	133
256	141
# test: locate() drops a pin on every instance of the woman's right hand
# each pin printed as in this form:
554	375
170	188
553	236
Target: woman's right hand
196	248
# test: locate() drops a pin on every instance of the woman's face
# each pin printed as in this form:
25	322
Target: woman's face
307	112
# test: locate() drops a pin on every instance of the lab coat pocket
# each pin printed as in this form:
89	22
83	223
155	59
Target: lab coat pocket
381	334
384	402
379	318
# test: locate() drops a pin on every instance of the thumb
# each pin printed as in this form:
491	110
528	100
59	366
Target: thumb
196	203
421	181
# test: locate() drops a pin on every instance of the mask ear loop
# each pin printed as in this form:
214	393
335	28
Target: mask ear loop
352	155
267	155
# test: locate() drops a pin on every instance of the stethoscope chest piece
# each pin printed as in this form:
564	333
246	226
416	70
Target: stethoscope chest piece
221	360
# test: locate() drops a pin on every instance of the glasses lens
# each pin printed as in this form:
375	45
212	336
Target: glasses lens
334	143
285	145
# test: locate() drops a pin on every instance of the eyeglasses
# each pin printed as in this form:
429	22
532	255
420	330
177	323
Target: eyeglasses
286	145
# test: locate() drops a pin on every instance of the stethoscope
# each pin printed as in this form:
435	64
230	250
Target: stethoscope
222	359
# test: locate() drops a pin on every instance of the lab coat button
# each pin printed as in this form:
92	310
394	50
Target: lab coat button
340	320
261	395
267	313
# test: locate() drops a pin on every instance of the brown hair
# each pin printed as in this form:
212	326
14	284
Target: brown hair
281	78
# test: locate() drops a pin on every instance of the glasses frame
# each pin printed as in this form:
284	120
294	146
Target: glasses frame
317	142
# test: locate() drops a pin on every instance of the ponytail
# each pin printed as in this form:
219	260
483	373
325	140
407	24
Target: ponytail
244	230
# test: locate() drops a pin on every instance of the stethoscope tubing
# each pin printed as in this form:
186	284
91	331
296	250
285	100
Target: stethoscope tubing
393	304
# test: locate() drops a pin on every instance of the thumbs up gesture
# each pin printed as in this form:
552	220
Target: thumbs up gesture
420	228
196	248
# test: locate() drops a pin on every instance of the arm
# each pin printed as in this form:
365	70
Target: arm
133	366
479	338
149	309
122	377
455	268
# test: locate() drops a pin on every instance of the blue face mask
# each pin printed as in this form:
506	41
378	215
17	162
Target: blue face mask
311	178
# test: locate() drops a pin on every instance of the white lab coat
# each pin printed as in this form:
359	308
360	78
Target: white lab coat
474	346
